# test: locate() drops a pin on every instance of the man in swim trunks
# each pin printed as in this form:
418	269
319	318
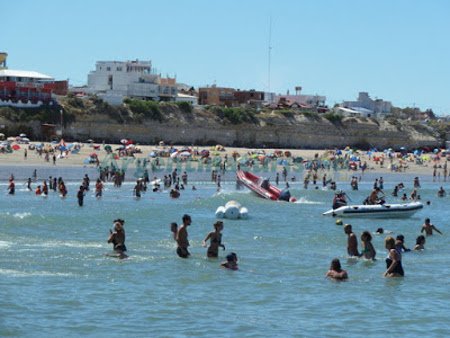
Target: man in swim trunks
182	237
352	241
374	198
428	227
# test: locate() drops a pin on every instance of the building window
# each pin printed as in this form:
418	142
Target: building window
108	69
119	69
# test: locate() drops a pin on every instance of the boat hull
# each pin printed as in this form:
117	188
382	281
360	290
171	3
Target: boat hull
376	211
253	183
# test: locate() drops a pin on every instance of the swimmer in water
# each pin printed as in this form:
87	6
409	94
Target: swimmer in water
231	262
381	231
117	238
98	188
420	243
428	228
174	229
11	186
137	189
174	193
336	272
352	242
400	244
80	195
182	237
215	238
394	259
368	251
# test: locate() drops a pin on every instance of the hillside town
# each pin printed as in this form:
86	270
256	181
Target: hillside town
114	81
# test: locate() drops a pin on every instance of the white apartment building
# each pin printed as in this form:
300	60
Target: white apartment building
378	107
115	80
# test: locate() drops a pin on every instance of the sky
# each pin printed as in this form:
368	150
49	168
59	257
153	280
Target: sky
397	50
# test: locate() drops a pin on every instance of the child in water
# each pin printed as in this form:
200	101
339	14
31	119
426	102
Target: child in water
231	262
174	229
420	242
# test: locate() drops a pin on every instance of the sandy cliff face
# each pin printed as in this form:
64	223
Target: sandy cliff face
203	126
273	130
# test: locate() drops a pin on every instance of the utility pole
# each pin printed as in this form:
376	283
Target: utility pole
270	50
62	122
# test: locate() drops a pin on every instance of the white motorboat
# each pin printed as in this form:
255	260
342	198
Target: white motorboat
376	211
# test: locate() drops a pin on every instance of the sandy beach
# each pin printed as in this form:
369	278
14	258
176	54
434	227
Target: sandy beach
17	158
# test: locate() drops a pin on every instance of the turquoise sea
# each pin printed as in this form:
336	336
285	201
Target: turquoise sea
55	280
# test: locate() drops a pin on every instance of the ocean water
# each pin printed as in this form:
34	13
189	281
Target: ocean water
55	280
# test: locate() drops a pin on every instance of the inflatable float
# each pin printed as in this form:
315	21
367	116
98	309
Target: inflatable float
376	211
232	210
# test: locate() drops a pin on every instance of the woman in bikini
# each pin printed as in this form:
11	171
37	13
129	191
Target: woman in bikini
368	251
215	238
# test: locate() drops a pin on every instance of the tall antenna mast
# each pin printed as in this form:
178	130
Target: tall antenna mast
270	49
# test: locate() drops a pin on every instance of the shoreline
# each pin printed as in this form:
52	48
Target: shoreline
16	159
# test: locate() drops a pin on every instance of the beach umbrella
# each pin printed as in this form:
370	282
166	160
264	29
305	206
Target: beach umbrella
108	148
90	140
130	146
174	154
185	153
152	154
15	147
23	135
124	141
93	155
